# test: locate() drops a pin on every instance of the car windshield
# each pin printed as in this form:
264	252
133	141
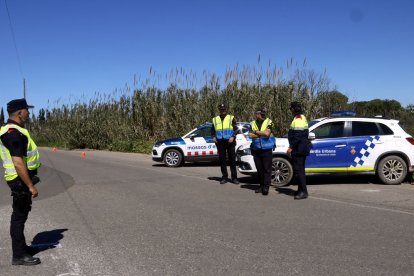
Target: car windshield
202	132
312	122
243	128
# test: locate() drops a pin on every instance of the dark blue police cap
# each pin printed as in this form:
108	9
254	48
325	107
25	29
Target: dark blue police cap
17	104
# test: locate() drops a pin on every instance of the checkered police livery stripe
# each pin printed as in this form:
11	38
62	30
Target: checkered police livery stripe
198	153
365	151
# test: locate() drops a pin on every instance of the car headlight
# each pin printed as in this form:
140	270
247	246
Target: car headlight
156	145
246	151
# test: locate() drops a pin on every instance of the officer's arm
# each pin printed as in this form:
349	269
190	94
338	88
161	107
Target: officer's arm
213	132
265	133
235	128
22	172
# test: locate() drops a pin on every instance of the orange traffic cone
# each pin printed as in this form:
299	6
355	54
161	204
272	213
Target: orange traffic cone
83	155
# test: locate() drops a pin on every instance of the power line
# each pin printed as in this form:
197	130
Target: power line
14	40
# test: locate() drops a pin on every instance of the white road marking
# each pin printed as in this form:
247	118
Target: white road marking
370	190
364	206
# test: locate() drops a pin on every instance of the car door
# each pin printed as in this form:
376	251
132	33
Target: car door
329	148
364	144
199	144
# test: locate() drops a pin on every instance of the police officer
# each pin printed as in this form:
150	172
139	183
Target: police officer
299	147
20	161
262	146
223	134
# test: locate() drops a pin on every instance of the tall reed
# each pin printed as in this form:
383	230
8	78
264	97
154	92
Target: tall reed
172	104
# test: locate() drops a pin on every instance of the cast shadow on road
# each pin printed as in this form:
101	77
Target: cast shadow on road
47	239
198	164
214	178
245	182
286	191
249	183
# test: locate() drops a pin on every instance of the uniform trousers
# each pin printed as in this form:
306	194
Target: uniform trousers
298	163
263	163
225	149
22	204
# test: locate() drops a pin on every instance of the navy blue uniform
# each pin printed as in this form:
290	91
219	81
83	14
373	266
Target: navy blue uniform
16	143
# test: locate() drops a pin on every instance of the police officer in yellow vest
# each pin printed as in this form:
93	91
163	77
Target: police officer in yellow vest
223	133
262	146
299	148
20	158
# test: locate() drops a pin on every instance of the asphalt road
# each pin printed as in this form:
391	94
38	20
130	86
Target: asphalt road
122	214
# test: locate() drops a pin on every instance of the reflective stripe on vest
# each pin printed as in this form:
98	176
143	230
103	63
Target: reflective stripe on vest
299	123
224	129
32	160
262	142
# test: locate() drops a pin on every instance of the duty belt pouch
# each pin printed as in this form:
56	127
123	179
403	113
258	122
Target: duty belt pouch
18	189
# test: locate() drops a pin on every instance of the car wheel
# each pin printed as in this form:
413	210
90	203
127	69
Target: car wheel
282	172
173	158
392	170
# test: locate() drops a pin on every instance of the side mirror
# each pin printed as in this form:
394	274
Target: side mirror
193	135
311	136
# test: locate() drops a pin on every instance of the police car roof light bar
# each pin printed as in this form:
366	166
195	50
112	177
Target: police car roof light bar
343	113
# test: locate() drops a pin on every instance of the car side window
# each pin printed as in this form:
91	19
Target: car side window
203	132
330	130
364	129
385	130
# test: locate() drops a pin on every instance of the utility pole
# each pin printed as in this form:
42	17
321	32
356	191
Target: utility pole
24	88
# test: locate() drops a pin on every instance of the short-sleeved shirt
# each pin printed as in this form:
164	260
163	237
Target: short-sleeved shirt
15	141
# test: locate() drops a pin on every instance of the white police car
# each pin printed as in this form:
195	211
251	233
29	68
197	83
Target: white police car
195	146
345	145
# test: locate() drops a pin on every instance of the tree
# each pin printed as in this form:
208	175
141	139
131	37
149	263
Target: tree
331	101
41	116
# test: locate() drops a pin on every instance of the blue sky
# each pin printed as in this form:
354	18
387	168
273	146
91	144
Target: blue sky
71	49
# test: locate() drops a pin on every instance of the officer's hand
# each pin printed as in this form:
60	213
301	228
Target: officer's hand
34	191
289	151
231	140
215	140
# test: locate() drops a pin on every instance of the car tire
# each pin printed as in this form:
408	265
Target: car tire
282	172
392	170
173	158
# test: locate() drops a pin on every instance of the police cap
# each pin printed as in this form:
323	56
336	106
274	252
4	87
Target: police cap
17	104
295	105
222	106
261	110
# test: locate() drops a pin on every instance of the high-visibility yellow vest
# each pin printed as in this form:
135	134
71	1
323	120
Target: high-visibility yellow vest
224	129
299	123
32	160
262	142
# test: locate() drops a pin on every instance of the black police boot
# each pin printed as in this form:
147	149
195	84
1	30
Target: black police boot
223	180
259	190
32	250
265	190
235	181
26	260
301	195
